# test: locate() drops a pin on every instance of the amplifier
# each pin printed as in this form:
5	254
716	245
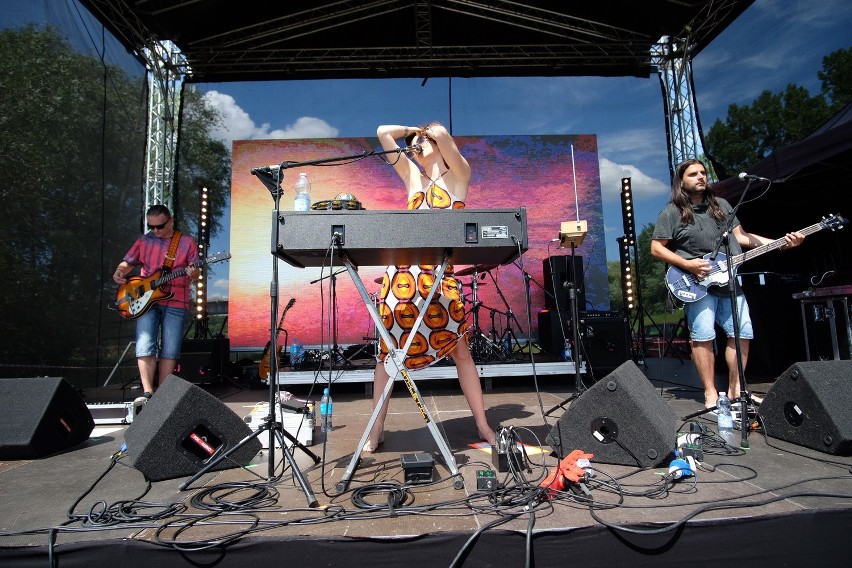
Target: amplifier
113	412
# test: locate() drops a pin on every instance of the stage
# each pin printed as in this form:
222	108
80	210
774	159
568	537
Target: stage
777	503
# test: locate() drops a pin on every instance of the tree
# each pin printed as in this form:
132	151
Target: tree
73	133
752	132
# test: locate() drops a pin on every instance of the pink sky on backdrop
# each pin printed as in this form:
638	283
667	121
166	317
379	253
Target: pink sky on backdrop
508	172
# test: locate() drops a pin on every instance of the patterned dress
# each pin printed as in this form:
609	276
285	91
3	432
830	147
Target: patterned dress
404	290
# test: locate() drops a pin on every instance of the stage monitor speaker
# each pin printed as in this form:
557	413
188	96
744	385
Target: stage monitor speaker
182	428
809	406
41	416
550	335
621	419
557	270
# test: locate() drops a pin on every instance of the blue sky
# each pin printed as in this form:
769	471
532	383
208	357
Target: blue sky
772	44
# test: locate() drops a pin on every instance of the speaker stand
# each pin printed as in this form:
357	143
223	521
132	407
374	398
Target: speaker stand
575	332
275	428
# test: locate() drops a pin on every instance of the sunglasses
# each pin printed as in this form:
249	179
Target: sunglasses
158	227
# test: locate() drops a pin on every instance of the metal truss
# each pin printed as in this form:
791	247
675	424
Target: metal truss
166	69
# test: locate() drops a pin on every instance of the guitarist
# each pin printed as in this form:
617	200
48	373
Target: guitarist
688	228
159	331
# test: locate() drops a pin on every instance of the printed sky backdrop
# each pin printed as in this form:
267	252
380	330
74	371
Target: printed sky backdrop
536	172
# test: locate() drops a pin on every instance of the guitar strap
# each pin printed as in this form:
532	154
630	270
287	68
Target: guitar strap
171	255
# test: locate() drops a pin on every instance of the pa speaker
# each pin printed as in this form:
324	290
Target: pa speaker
181	429
41	416
556	271
621	420
809	406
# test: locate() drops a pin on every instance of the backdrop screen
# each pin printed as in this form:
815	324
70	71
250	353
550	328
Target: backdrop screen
537	172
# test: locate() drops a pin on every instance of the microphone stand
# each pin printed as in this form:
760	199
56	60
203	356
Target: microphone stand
744	398
270	424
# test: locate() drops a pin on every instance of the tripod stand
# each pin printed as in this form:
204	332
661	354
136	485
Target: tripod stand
270	424
508	336
481	347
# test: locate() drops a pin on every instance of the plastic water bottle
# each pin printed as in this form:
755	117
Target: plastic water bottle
303	194
326	410
295	354
566	351
724	419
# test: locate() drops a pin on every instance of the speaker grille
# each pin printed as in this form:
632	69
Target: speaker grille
41	416
809	406
182	428
621	420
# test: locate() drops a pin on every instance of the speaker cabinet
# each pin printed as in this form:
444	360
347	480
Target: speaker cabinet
621	420
204	361
809	406
605	339
557	270
603	334
181	429
41	416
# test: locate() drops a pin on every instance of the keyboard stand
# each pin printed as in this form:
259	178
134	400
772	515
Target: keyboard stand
395	368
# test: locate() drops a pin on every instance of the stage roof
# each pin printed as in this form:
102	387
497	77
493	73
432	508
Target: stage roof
309	39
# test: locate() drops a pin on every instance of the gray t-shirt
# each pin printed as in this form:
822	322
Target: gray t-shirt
698	238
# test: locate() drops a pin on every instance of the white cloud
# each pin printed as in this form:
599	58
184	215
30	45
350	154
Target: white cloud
238	125
644	186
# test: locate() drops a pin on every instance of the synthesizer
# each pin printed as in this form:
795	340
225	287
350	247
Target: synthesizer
401	237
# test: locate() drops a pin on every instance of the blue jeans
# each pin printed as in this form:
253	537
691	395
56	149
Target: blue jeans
148	337
710	309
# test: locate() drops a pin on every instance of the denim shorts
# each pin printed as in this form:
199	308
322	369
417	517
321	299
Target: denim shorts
703	314
148	326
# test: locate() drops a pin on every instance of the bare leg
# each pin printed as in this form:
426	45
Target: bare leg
469	382
147	370
705	361
377	434
166	367
733	370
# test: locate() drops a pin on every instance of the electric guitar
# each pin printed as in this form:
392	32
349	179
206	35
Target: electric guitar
263	368
686	286
139	293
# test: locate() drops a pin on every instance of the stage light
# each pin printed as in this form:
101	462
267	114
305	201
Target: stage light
627	216
627	287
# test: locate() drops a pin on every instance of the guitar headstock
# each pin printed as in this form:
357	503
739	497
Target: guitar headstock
833	222
218	257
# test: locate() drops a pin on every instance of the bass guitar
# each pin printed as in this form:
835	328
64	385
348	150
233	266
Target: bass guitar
139	293
263	368
686	286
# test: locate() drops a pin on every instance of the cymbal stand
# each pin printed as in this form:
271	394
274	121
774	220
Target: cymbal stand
508	333
481	347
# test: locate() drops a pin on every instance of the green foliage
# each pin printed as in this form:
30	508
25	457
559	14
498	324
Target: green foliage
73	133
752	132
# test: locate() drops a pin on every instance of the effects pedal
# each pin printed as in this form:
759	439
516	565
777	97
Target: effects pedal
417	468
486	480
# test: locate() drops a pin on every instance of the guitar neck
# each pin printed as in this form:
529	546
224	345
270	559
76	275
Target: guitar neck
180	272
776	244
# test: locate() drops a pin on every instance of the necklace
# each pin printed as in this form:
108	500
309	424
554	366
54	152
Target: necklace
433	181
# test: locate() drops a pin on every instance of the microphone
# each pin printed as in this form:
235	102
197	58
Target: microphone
416	148
266	169
744	176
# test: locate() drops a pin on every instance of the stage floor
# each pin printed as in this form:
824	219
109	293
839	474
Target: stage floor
772	479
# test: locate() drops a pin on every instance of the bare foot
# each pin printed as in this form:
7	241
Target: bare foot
373	442
710	401
488	435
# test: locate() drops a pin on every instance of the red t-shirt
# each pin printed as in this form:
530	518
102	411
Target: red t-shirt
149	251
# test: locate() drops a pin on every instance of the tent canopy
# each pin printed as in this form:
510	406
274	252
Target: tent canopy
308	39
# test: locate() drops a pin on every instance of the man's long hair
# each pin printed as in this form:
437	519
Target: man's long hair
682	200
